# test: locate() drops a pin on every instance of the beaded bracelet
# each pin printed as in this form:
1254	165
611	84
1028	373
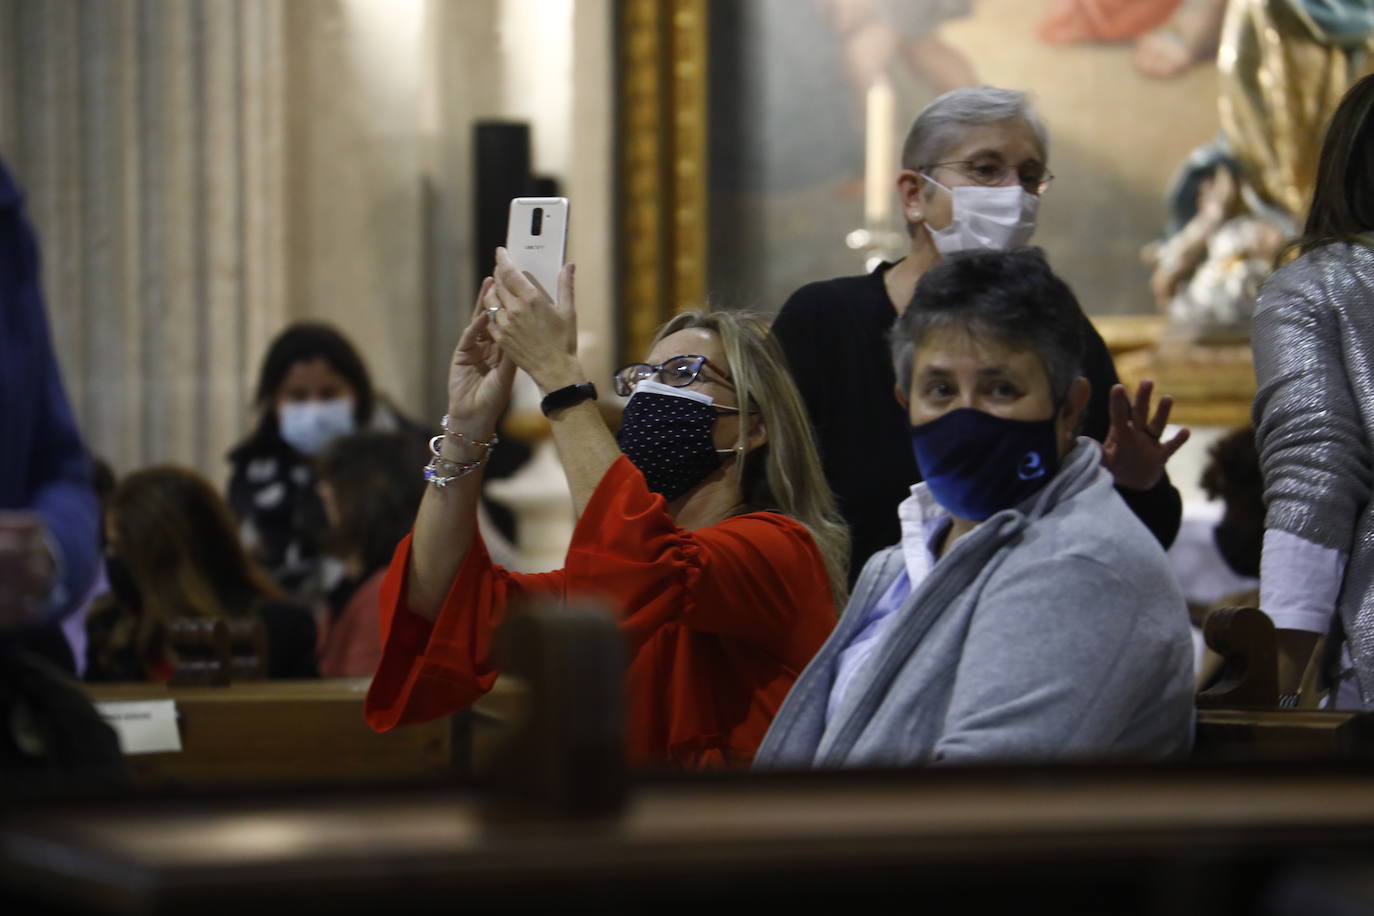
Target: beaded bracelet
436	443
457	470
443	423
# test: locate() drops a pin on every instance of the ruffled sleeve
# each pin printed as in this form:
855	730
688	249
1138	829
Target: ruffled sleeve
743	578
435	668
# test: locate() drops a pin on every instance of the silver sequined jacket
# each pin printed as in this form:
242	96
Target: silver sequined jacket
1314	421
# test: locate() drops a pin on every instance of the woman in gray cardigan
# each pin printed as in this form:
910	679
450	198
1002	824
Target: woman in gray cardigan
1027	614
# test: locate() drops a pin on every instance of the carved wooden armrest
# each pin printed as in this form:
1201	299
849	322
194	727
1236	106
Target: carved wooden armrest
1248	677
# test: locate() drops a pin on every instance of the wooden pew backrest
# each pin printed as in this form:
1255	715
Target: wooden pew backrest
281	732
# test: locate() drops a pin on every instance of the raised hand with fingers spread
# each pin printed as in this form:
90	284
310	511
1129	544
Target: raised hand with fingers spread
1134	452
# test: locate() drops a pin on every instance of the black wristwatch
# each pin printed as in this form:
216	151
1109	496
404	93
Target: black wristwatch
567	397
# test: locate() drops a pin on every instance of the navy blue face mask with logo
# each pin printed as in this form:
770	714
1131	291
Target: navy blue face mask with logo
977	464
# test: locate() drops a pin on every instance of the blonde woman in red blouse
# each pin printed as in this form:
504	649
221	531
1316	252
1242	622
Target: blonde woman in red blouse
706	524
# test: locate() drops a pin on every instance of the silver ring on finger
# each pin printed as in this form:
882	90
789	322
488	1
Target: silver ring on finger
493	309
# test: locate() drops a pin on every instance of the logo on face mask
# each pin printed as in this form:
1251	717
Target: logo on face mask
1031	468
982	218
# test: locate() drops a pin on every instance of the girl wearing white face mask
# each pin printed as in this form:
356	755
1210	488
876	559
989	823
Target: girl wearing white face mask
974	170
313	388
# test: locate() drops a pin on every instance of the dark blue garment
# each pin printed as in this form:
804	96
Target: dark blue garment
43	466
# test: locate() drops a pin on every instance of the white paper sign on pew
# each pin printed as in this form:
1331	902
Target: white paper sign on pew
143	726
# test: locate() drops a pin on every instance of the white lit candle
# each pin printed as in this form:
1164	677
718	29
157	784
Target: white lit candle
879	158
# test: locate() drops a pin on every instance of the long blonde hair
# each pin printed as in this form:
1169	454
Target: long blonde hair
789	477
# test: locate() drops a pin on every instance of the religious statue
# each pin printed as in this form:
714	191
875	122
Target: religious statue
1282	66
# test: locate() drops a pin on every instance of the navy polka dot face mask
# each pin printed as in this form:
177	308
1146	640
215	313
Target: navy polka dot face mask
666	434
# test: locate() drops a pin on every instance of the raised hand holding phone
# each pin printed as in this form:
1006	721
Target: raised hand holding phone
480	374
539	334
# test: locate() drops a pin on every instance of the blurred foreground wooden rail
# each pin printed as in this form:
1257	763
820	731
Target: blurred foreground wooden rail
1165	840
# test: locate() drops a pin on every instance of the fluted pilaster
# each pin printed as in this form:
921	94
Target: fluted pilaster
148	137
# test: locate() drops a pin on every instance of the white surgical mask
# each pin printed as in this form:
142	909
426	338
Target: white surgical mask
993	219
308	426
649	386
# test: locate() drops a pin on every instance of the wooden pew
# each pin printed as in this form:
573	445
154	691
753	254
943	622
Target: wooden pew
214	652
269	732
1148	840
1239	718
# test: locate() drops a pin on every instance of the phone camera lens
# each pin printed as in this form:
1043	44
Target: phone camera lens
537	221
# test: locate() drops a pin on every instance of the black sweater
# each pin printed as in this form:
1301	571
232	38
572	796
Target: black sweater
834	333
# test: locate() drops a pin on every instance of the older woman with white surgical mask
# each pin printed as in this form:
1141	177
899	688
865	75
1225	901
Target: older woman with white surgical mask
974	170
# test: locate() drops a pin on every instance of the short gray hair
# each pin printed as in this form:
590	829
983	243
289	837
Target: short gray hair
1012	297
938	126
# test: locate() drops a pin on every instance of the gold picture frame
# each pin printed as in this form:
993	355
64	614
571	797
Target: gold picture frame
661	165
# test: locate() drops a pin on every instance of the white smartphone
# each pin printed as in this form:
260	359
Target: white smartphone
537	238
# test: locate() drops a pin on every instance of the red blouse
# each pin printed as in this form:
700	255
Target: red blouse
719	621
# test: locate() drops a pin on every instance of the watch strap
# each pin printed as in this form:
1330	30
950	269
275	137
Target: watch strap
560	398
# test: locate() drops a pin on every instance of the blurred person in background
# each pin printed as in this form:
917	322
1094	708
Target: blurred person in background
370	492
48	514
48	535
1217	561
172	552
74	624
312	388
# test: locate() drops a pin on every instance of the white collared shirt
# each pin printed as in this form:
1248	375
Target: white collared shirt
924	522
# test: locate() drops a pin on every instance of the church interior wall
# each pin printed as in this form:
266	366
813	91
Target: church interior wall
200	174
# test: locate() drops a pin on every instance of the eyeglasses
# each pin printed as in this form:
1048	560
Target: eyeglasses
678	372
991	172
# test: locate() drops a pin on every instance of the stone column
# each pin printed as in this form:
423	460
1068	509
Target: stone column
147	135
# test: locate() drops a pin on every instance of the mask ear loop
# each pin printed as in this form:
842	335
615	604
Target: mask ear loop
936	183
738	449
737	466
